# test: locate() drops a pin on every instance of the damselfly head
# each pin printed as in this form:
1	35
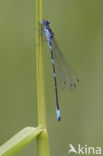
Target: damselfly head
45	22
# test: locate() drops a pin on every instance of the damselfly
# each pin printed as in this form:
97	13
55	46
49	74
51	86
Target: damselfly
64	76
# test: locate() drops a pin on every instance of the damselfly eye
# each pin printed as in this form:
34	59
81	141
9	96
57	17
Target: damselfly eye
45	22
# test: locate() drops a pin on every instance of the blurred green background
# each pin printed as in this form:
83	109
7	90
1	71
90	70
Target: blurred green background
78	27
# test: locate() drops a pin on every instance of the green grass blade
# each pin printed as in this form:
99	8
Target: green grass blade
21	139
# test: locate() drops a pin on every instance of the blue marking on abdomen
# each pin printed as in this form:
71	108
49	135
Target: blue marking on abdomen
52	61
50	47
58	115
54	75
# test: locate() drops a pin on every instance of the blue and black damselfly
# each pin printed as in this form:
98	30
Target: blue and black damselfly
62	71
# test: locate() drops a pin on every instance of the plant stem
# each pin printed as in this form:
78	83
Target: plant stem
40	68
42	139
